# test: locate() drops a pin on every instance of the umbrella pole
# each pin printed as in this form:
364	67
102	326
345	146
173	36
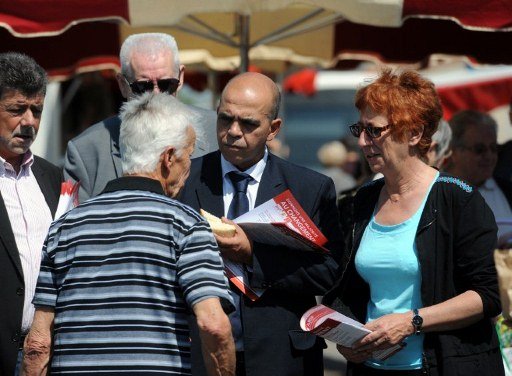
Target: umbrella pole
244	42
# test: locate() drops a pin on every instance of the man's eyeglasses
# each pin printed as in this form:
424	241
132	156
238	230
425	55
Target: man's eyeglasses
372	132
166	85
480	149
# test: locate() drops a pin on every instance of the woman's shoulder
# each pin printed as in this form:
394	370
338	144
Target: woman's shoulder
451	183
449	188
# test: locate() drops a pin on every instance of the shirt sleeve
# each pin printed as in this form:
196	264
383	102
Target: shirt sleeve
200	268
475	243
46	288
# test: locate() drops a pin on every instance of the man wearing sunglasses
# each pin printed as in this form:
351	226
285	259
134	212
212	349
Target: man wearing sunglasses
474	157
149	63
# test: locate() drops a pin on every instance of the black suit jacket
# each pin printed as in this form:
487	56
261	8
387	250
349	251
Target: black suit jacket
273	341
12	285
506	187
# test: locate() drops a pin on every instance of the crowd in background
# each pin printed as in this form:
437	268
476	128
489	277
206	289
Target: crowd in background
132	280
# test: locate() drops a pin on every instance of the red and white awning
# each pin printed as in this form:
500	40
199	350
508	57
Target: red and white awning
460	86
473	19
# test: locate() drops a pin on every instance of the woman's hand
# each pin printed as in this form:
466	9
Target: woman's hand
387	331
352	355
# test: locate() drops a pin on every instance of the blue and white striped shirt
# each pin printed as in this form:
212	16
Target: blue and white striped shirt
121	271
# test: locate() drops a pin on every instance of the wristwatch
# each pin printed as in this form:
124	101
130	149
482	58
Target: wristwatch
417	321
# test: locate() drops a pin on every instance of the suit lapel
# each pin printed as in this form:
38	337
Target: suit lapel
209	191
114	150
271	183
7	237
46	186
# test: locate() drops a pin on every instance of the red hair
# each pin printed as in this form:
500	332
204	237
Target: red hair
409	101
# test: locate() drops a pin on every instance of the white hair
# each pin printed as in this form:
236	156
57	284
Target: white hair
149	44
442	137
150	123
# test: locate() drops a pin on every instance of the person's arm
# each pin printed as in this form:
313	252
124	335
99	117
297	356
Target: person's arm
304	272
216	339
455	313
38	344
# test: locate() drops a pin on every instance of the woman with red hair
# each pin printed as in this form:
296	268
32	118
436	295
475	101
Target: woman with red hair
418	269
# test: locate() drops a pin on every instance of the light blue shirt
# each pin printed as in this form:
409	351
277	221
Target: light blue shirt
387	260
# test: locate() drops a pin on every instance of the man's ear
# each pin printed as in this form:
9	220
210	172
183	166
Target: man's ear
123	86
167	160
275	127
181	77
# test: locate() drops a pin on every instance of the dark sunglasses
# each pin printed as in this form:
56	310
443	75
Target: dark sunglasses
480	149
372	132
166	85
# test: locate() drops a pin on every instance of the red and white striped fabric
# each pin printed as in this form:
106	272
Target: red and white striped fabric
44	18
86	50
460	86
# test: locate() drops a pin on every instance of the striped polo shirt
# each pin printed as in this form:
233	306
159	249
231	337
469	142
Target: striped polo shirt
122	271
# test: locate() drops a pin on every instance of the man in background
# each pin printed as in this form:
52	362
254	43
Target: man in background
239	177
149	62
474	155
120	273
29	194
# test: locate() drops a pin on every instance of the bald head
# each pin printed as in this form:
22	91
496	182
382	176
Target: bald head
255	83
247	118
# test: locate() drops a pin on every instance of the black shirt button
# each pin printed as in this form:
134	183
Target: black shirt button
20	291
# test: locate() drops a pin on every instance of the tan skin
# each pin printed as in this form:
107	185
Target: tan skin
472	167
20	117
244	125
151	67
407	179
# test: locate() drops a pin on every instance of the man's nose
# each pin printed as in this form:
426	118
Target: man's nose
234	129
28	118
156	89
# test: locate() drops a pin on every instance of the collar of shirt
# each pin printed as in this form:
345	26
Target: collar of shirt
255	171
489	185
137	183
26	163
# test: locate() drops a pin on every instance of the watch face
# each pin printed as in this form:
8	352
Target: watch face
417	320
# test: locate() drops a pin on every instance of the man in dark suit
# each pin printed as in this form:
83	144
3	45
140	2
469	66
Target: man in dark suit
149	62
267	333
29	193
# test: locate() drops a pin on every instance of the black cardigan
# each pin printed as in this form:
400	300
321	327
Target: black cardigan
455	239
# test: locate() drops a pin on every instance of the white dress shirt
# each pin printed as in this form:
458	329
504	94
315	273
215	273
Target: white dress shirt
30	219
499	205
256	172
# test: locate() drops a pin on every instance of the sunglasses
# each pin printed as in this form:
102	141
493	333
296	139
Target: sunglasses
480	149
165	85
372	132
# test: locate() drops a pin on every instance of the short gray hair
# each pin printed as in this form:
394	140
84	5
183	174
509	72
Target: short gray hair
442	138
150	44
150	123
463	120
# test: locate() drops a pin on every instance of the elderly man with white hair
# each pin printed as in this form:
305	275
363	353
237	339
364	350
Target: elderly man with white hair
149	63
121	271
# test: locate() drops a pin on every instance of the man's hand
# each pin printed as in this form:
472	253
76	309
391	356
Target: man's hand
237	248
38	344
